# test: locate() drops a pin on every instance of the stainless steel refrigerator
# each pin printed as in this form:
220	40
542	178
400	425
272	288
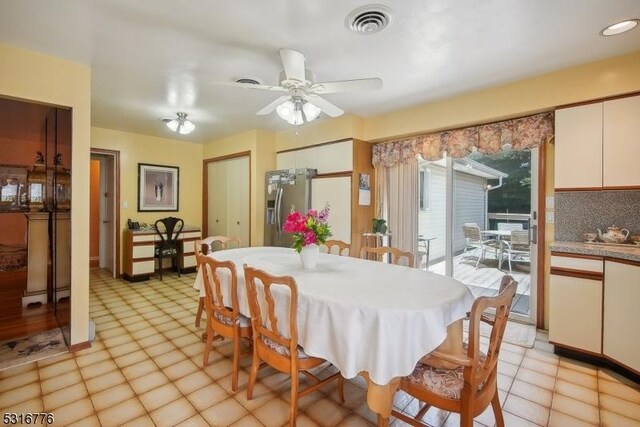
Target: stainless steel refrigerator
285	190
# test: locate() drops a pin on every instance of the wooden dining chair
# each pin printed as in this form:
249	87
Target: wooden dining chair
168	246
206	246
344	248
472	386
269	342
398	257
224	320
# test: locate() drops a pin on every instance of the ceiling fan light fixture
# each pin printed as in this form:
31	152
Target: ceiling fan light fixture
186	128
620	27
173	125
311	111
285	110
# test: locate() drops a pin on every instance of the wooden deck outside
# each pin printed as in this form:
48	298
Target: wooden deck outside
485	280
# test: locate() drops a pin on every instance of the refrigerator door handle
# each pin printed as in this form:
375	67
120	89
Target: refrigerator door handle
278	210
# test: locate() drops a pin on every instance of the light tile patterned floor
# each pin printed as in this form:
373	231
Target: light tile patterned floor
145	369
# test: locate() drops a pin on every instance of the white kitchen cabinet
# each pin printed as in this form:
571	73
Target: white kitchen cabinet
332	158
286	160
228	198
621	138
621	340
575	303
337	192
578	147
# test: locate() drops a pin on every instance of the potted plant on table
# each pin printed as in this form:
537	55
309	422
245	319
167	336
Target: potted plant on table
309	231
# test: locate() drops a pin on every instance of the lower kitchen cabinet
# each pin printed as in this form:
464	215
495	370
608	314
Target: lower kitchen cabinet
621	338
575	303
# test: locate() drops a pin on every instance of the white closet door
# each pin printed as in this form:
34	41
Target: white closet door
238	199
217	198
337	192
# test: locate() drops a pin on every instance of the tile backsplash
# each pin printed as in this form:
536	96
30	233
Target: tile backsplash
579	212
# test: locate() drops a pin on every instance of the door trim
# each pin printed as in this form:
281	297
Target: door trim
542	215
205	189
116	225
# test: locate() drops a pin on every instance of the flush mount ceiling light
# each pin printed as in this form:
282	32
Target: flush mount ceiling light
620	27
180	124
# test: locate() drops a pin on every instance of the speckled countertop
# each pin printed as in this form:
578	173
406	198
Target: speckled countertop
628	252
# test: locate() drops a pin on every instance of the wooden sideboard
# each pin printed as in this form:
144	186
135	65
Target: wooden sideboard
139	245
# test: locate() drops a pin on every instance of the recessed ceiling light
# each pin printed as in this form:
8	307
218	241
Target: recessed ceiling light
619	27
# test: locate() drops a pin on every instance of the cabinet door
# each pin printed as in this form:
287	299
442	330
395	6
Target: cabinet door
621	142
286	160
217	198
621	313
578	147
306	158
575	312
335	157
337	192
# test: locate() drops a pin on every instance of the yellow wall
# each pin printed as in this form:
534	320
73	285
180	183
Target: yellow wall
34	77
261	144
609	77
135	148
345	126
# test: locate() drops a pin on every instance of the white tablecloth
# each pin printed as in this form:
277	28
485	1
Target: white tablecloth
360	315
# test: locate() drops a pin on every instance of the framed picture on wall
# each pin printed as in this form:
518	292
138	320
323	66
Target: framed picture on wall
157	188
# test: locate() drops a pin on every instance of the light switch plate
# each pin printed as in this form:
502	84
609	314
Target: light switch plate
550	202
549	218
125	204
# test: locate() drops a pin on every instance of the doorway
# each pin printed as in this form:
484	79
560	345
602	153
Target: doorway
469	209
104	210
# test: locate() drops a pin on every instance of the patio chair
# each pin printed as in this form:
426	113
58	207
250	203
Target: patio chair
518	248
510	226
473	241
473	385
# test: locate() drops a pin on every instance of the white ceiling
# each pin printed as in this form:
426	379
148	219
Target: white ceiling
152	58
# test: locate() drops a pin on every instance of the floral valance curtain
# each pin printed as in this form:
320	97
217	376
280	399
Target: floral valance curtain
523	134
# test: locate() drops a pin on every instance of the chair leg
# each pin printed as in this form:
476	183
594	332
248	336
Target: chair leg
293	408
207	345
341	388
497	410
255	365
160	264
509	255
178	265
199	312
236	362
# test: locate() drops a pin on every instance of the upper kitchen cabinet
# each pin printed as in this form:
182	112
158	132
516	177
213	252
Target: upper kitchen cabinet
578	152
327	158
597	146
621	138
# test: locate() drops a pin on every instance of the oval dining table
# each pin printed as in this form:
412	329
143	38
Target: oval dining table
364	317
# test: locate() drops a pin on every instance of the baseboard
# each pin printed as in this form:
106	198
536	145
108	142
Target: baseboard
80	346
598	361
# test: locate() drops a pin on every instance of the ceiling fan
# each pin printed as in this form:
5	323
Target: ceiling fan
302	101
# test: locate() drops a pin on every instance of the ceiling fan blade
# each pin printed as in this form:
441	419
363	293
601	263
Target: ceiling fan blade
272	106
328	108
251	86
347	86
293	62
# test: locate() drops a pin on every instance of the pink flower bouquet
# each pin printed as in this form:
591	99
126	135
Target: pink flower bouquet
308	229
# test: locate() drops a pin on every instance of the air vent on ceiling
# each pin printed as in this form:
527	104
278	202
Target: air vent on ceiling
369	19
248	80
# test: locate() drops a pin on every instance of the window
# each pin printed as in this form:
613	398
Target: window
424	189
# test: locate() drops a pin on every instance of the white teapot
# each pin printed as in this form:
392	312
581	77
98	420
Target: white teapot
614	235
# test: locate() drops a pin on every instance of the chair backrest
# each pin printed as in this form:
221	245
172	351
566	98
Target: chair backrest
510	226
214	299
263	306
520	237
198	249
343	248
398	257
478	373
220	242
170	230
471	231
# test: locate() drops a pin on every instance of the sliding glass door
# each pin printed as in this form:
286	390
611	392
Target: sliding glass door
478	216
